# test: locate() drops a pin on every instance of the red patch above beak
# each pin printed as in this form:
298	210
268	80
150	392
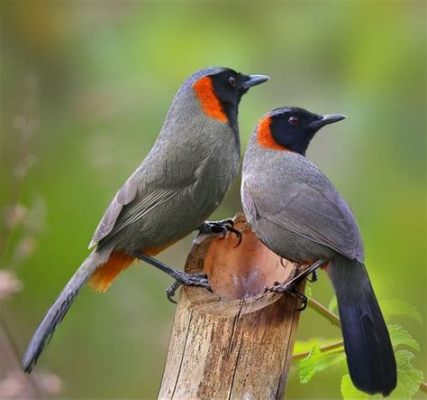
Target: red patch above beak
209	102
265	137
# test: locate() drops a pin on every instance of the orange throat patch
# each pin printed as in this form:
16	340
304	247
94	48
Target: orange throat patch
209	102
265	137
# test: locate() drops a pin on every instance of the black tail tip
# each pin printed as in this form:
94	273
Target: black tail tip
385	391
28	363
28	369
377	387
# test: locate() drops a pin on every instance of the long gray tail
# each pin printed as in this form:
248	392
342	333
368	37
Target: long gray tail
60	307
367	344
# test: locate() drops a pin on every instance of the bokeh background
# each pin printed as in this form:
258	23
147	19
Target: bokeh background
85	86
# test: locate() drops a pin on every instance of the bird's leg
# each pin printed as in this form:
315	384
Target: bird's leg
290	286
220	228
181	277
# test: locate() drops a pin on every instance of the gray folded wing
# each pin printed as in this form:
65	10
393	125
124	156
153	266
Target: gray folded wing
151	186
124	196
315	211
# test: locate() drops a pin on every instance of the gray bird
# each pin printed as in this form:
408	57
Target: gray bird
296	211
178	185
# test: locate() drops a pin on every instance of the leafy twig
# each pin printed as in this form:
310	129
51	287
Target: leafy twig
322	310
314	361
328	347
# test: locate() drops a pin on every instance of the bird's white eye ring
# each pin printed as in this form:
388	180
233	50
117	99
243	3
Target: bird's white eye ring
294	121
232	81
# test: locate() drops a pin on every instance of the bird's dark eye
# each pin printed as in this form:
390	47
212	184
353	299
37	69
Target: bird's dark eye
232	81
294	121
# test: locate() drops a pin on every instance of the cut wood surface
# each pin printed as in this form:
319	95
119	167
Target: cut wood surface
234	343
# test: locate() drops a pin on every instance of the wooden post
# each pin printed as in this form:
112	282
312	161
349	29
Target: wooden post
235	343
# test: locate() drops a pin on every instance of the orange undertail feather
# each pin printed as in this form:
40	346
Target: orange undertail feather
102	278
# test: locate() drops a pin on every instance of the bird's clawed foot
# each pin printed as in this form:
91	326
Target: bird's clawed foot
302	298
291	289
314	276
181	277
291	286
185	279
220	228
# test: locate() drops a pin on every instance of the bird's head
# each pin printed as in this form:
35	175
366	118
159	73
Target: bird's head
291	128
219	91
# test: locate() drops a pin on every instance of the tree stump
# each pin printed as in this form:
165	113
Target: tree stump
234	343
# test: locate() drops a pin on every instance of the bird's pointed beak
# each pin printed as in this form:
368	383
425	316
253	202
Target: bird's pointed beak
326	120
254	80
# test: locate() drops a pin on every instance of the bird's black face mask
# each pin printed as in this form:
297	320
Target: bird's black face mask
229	87
293	127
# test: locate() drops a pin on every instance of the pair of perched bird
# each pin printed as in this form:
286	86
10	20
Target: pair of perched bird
290	204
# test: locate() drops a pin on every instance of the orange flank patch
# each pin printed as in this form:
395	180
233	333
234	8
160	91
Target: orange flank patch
264	136
102	278
209	102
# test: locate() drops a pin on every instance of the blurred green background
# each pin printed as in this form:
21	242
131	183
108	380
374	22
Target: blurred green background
84	89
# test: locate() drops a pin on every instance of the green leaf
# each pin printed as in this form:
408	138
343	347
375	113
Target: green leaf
349	392
302	346
408	383
392	307
317	361
409	378
332	306
400	336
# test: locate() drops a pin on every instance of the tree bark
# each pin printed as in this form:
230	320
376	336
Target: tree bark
234	343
